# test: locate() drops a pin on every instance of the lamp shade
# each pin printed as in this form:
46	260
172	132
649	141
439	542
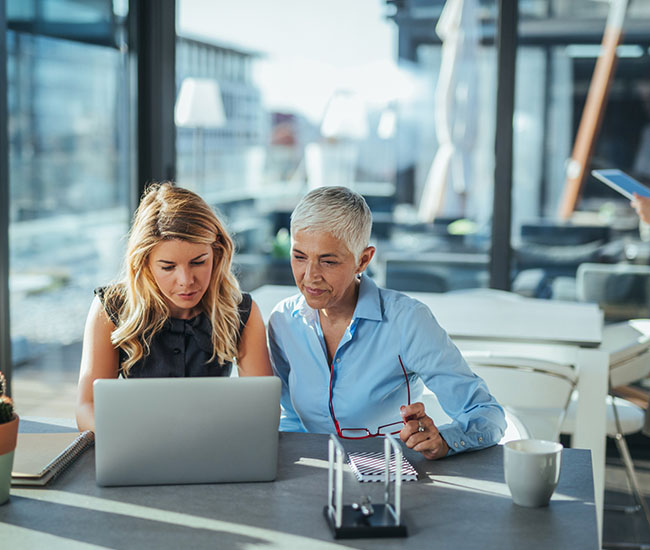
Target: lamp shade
345	117
199	104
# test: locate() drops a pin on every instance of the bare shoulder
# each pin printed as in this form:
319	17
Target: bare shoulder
98	331
253	357
255	309
98	317
255	321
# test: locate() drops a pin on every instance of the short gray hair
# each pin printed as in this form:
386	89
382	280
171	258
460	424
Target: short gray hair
336	210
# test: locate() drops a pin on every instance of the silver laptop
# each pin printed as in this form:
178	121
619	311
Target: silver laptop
158	431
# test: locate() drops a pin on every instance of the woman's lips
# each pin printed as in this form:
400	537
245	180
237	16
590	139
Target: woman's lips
314	291
187	295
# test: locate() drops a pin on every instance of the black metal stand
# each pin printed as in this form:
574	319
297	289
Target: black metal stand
356	525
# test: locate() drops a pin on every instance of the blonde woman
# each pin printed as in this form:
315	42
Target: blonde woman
177	310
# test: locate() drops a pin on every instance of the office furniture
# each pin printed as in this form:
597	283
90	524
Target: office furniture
562	332
458	502
621	290
515	427
434	271
628	346
541	394
504	323
537	392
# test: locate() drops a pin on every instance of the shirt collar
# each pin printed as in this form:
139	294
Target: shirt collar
301	309
199	328
368	303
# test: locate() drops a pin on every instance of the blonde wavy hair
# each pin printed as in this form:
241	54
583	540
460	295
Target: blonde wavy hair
168	212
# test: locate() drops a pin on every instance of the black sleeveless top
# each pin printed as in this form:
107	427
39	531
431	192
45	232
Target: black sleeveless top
182	347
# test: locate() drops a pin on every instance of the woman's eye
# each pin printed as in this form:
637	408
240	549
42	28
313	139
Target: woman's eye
198	263
298	257
168	268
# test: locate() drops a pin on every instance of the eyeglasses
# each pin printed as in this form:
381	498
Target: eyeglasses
363	433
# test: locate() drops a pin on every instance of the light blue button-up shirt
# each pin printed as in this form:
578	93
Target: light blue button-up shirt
368	385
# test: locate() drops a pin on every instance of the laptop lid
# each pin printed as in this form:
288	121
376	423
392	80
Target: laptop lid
153	431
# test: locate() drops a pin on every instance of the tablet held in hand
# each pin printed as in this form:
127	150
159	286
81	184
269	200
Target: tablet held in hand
621	182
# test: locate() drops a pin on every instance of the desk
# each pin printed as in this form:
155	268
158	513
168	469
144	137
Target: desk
492	320
459	502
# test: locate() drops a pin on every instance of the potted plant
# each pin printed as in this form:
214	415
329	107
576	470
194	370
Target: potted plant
8	436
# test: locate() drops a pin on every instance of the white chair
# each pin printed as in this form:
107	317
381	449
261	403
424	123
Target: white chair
534	391
631	417
628	344
515	428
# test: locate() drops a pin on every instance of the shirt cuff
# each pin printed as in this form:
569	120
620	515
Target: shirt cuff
458	441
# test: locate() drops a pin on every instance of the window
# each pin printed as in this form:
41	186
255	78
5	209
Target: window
69	163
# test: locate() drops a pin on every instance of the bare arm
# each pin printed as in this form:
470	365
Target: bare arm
253	353
99	359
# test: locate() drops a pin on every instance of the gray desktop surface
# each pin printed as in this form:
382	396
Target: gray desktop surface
458	502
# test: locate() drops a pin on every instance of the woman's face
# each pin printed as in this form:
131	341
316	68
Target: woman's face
325	270
182	271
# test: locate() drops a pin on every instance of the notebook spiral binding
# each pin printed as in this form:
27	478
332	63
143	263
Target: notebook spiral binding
68	456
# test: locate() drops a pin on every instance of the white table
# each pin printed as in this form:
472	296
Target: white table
489	320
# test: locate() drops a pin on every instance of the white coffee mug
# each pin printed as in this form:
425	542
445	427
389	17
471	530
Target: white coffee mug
532	470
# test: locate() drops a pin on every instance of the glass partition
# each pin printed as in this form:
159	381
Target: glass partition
411	124
69	172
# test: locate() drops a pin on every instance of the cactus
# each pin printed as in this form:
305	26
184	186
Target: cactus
6	409
6	404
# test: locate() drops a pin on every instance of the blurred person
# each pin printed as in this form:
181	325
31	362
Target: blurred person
642	206
177	310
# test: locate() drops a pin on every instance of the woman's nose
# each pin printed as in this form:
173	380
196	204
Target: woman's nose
311	271
185	276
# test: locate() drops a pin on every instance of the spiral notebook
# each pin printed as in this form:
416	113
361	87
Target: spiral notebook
369	466
39	458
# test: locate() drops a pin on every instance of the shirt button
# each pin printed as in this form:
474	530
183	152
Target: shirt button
462	443
456	444
176	351
480	439
338	360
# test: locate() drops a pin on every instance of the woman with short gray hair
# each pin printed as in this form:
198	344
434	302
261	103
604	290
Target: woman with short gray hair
354	358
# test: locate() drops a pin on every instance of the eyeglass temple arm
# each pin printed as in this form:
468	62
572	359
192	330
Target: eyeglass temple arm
408	386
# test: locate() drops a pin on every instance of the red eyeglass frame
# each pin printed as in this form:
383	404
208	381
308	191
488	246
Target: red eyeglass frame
339	430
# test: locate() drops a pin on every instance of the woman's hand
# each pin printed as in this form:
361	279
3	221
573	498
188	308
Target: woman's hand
420	433
642	207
